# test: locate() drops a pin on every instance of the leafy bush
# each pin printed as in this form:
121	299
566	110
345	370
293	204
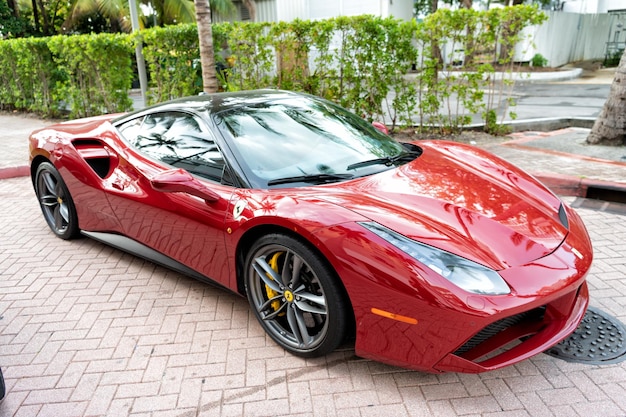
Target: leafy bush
28	76
612	59
539	61
97	72
360	62
173	61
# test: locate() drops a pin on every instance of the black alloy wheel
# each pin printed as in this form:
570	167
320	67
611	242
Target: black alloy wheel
295	296
55	201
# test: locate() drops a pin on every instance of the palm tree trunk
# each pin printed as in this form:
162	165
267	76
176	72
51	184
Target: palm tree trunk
610	126
205	37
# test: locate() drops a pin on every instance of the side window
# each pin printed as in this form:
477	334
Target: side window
176	139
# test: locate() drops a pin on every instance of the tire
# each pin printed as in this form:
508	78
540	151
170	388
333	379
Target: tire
56	202
295	296
3	389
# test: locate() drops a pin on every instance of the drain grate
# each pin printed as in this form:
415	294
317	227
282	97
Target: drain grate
599	339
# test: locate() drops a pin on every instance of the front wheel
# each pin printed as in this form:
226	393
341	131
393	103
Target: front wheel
55	201
295	296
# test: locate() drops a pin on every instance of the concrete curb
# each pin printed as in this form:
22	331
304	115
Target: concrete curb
529	77
544	124
568	185
13	172
550	123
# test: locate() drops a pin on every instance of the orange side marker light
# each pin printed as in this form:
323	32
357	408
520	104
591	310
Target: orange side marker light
393	316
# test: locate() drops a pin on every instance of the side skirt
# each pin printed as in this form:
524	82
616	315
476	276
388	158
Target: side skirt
140	250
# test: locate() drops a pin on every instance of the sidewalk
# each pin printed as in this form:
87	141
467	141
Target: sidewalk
87	330
565	163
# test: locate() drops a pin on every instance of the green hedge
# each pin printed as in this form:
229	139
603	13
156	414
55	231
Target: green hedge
359	62
97	72
28	76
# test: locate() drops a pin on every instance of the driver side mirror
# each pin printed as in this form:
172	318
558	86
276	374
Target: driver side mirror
180	181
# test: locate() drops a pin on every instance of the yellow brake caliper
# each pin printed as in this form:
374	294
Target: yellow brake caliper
273	263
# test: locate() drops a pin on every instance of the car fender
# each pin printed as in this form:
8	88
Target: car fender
252	213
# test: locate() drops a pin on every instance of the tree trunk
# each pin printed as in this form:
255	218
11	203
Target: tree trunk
15	11
44	15
205	37
434	45
36	16
610	126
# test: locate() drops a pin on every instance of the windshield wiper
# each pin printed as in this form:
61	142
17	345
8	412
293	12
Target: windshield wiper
388	160
313	178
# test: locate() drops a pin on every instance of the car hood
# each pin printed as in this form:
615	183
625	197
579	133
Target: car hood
463	200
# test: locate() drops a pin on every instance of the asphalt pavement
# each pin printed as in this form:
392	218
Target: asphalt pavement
564	97
87	330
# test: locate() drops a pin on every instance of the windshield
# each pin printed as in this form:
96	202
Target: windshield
301	140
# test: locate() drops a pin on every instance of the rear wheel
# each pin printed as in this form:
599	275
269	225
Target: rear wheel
55	201
295	296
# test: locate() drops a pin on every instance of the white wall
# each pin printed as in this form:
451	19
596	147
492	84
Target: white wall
288	10
400	9
319	9
323	9
593	6
568	37
580	6
605	6
266	10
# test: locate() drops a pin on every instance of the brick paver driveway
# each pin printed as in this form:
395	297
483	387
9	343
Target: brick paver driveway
86	330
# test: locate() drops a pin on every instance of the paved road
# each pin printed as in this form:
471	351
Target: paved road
566	99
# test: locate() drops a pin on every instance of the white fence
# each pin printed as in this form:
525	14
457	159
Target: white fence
571	37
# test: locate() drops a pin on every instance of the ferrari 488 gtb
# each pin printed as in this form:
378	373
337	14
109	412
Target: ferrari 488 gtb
432	255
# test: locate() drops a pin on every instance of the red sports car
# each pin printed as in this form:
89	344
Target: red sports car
432	255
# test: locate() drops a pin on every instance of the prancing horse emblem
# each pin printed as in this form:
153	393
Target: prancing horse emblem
239	207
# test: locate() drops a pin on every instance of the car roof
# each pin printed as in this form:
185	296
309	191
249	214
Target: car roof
216	102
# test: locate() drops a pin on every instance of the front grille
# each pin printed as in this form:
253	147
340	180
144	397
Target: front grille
531	316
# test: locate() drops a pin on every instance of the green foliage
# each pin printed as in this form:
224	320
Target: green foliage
292	42
28	76
88	74
173	61
250	46
473	45
97	72
363	63
328	58
612	59
371	67
11	26
539	61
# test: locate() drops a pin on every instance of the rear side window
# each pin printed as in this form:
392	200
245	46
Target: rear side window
177	139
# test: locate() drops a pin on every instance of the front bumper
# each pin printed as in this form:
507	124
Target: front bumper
527	334
457	331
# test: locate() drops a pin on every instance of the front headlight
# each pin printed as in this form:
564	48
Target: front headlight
462	272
